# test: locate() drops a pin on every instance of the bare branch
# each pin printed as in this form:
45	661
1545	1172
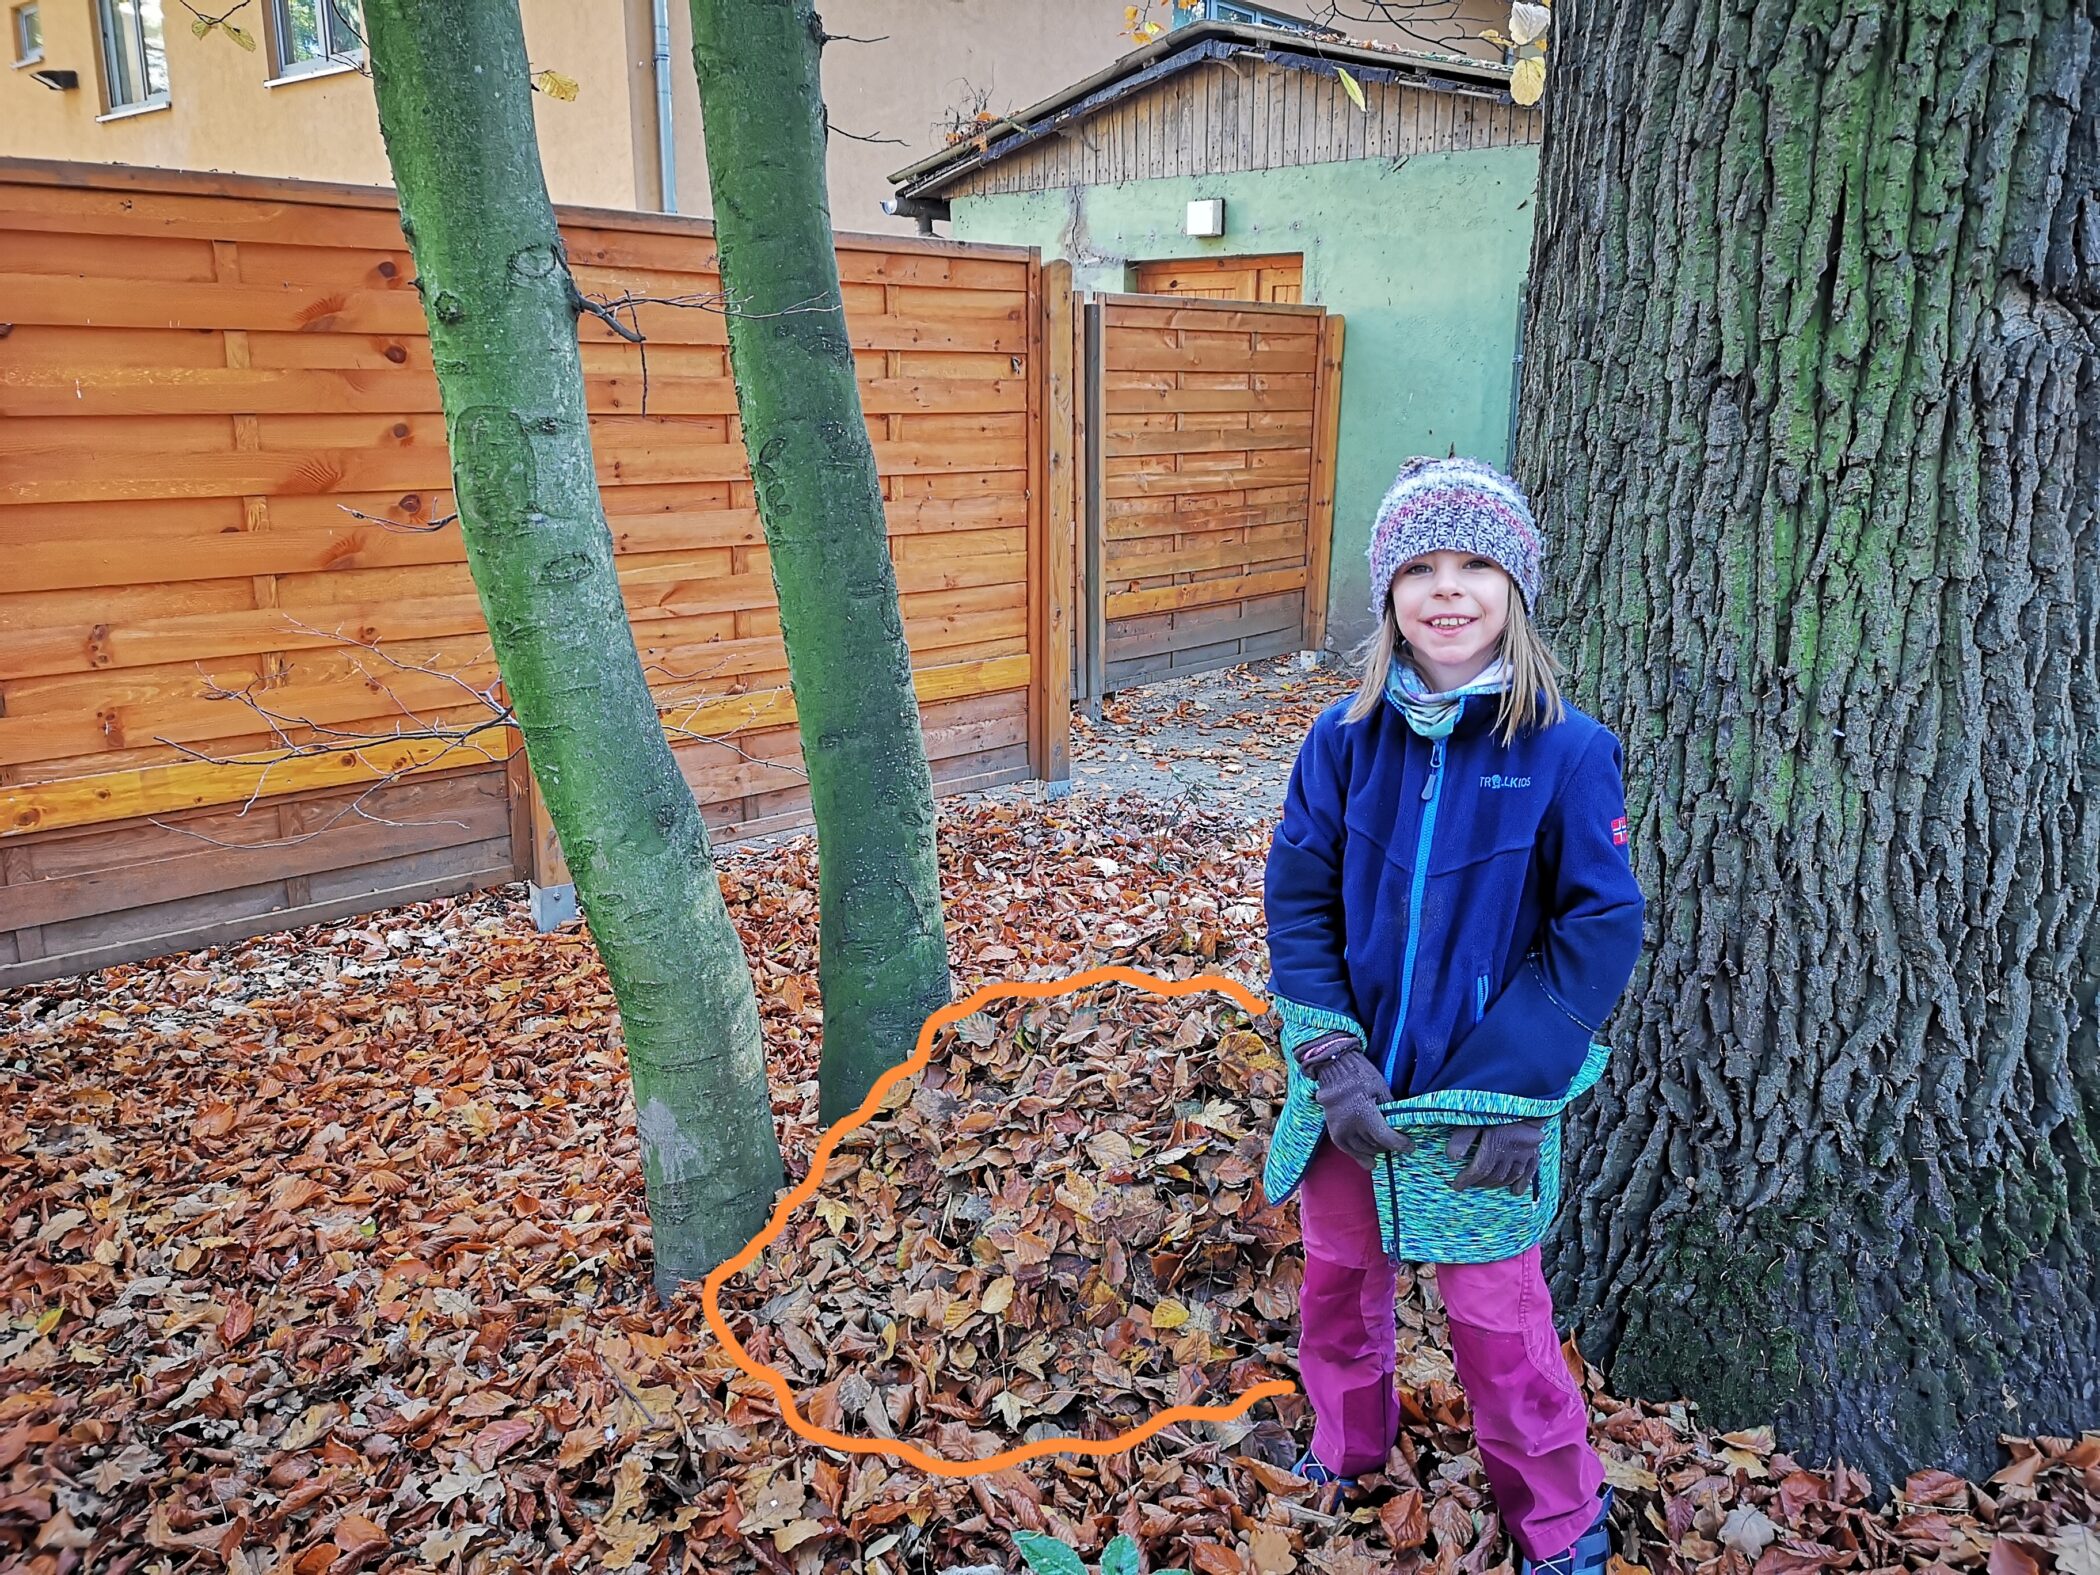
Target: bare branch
1437	23
848	38
604	314
841	131
396	526
428	669
733	747
353	807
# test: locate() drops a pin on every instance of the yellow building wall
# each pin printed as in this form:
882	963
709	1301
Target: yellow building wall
921	61
221	115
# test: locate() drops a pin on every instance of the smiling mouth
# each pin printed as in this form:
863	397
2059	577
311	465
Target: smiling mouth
1449	628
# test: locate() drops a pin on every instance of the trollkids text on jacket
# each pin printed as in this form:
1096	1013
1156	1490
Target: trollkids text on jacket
1471	906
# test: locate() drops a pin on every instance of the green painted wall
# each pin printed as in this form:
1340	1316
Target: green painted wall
1424	258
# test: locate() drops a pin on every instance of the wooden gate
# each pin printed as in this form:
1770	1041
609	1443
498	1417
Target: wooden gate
1209	485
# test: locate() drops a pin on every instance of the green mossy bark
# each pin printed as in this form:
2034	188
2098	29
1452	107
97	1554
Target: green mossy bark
1811	406
883	951
455	109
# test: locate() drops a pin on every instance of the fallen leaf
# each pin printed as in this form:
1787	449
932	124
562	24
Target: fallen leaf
1269	1551
1748	1530
354	1534
497	1439
2077	1550
795	1533
1405	1522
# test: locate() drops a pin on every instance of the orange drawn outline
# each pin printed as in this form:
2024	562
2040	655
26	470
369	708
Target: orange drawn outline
784	1392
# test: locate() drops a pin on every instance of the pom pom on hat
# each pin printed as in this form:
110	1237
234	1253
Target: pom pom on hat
1454	505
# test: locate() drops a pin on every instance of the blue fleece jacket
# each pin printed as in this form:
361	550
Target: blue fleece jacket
1467	908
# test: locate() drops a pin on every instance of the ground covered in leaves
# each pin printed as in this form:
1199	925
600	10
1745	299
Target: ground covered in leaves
326	1252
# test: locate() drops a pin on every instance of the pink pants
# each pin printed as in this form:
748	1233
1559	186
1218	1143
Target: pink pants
1529	1416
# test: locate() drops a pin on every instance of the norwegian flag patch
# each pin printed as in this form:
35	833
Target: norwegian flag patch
1619	833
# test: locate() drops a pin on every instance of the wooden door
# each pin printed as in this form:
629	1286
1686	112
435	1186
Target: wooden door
1278	279
1210	437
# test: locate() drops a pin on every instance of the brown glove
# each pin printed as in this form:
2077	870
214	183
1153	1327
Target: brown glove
1350	1092
1507	1158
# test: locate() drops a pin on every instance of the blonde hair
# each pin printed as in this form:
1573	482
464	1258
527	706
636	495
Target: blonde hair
1532	699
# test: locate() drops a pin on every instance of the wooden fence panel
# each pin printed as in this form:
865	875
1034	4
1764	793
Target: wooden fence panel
1213	450
228	599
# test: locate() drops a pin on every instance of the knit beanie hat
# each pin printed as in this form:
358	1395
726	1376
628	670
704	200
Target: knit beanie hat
1455	505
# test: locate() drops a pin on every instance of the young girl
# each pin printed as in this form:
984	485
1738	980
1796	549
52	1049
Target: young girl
1451	906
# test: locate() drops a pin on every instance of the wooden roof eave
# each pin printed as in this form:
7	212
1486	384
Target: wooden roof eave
931	176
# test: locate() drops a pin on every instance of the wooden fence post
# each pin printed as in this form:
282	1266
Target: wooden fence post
1093	606
1327	408
1052	746
548	885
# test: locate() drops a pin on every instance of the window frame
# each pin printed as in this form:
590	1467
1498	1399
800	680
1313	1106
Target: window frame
15	17
108	37
327	63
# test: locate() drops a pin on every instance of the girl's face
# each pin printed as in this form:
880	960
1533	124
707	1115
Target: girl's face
1451	608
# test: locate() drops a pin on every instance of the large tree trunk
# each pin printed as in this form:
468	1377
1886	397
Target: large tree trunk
883	951
1812	404
455	109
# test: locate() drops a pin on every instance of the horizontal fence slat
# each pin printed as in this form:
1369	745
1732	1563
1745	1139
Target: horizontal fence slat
163	789
1205	593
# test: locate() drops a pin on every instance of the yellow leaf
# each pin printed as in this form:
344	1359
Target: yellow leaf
555	85
1527	22
835	1214
1169	1314
1356	94
1527	81
795	1533
49	1321
245	40
199	28
1746	1461
999	1295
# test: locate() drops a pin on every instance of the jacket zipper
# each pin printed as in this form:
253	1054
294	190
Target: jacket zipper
1432	791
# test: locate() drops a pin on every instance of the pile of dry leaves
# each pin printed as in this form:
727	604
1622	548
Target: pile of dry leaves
326	1252
1057	1231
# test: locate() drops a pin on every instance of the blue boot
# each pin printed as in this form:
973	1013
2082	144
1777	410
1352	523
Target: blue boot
1591	1553
1311	1469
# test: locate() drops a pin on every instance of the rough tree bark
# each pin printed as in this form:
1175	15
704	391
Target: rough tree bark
882	949
1812	403
455	109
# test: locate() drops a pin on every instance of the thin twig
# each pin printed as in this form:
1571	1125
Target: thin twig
352	807
1434	22
841	131
396	526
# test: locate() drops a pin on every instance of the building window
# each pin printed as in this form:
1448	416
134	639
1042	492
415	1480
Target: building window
316	35
134	55
29	36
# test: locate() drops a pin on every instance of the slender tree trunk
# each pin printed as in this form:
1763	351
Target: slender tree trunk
455	108
883	952
1812	401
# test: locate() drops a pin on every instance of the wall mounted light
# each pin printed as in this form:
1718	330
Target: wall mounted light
1206	217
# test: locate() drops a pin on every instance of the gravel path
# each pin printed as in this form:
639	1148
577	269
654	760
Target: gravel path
1224	739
